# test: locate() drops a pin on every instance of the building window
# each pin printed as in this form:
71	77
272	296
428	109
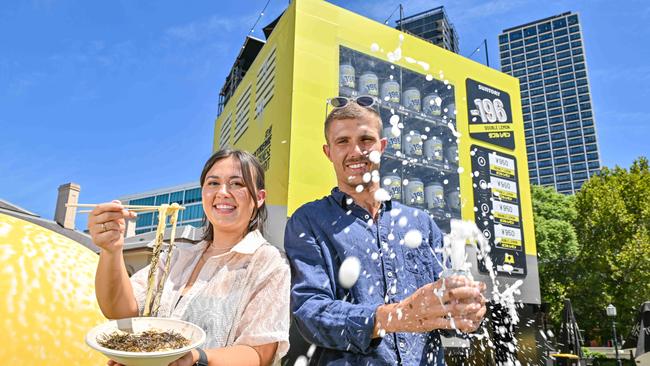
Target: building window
176	197
560	161
566	77
532	55
571	109
558	136
577	158
591	148
192	195
532	48
576	150
544	27
503	38
580	166
516	35
531	31
564	70
568	101
548	58
536	92
518	58
546	180
546	171
567	85
581	175
562	47
550	81
144	219
561	39
540	139
546	51
147	201
545	44
574	29
533	62
550	73
559	23
530	40
568	93
562	169
193	212
162	199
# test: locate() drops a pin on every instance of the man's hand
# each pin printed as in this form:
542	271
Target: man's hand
452	303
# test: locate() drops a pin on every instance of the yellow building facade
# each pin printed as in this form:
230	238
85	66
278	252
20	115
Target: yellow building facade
455	130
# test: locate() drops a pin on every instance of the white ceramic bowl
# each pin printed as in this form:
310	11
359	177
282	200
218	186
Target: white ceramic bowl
190	331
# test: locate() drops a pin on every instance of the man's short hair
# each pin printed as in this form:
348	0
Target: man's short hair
351	111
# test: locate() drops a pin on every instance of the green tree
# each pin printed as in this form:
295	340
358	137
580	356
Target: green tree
613	265
557	246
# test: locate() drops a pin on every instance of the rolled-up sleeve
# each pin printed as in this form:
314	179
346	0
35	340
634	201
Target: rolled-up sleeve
321	318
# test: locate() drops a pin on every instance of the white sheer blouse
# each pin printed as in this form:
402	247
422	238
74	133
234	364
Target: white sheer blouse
239	298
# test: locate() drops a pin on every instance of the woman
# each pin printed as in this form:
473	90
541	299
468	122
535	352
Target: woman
233	284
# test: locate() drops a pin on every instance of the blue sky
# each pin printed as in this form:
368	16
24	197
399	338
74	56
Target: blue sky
121	96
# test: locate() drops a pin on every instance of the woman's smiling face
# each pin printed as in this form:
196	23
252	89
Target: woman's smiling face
226	201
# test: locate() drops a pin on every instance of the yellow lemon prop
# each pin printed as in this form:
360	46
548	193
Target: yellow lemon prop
48	290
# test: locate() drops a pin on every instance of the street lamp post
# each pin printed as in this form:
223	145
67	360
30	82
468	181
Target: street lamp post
611	312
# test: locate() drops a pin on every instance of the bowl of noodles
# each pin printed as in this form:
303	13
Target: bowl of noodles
154	341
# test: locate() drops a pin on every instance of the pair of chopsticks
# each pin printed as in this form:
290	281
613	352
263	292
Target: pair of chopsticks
134	208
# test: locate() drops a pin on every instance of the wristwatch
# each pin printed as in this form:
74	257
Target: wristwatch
203	358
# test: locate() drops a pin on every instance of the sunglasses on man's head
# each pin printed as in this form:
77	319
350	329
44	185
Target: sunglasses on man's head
362	100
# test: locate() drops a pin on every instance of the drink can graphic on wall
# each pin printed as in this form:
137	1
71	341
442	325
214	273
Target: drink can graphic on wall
414	195
434	195
390	91
369	84
451	153
394	142
412	142
411	99
431	104
393	185
347	76
433	149
453	199
451	110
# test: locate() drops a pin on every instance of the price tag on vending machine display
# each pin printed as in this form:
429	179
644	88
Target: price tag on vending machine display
498	209
490	114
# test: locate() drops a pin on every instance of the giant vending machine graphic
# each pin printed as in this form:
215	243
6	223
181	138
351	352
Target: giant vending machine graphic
454	128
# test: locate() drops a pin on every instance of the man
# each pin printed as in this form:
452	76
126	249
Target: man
392	313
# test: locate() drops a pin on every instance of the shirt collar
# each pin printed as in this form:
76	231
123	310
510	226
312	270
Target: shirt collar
248	245
343	198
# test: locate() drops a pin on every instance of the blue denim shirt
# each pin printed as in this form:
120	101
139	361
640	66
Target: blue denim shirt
339	321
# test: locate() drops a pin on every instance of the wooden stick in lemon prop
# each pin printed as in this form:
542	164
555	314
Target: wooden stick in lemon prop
48	302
